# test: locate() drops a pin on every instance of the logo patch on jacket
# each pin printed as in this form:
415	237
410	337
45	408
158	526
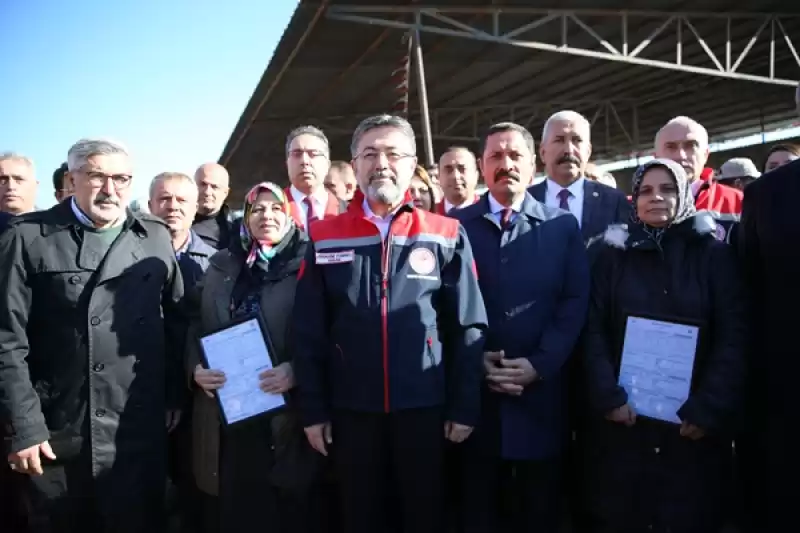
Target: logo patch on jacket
422	263
335	258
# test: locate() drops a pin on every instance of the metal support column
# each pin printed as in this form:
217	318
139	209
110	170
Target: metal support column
427	136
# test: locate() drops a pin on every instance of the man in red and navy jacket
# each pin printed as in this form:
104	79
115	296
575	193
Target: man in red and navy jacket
388	336
686	142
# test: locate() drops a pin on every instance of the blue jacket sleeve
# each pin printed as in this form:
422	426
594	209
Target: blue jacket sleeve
309	341
465	325
561	335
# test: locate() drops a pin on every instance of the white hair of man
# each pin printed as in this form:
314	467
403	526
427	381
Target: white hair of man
14	156
687	123
565	116
82	150
383	121
170	176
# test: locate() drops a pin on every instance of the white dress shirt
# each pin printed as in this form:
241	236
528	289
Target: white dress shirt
319	199
497	208
574	201
382	223
448	206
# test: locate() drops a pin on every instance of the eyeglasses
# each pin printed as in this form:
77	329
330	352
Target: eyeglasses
372	155
98	179
312	154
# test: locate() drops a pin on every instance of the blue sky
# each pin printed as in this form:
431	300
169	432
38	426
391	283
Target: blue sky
168	78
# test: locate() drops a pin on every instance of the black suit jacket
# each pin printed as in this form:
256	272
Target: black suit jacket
768	238
4	219
602	206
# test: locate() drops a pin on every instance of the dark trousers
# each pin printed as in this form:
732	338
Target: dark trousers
67	499
500	496
380	457
185	499
12	517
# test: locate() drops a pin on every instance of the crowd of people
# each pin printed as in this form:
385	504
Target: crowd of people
451	361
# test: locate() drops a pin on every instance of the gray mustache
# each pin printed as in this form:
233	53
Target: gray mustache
103	198
568	158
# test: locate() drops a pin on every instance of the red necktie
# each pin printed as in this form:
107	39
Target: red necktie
311	215
505	218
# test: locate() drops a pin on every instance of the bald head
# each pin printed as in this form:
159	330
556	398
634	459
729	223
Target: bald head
212	184
684	141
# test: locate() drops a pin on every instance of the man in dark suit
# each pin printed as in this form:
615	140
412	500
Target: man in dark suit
768	238
308	160
565	150
534	277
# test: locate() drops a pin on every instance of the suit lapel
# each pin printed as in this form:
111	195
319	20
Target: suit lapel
539	190
591	206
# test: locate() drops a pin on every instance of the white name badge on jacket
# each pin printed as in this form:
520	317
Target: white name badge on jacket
335	258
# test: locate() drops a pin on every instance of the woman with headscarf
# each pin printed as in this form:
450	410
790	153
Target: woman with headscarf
255	475
642	473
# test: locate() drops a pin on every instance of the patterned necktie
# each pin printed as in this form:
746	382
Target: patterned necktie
563	199
311	214
505	218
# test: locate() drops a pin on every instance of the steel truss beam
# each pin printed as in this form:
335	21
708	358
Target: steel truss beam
437	21
471	121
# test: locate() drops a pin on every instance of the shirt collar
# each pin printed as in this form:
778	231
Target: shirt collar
575	188
497	207
370	215
320	197
468	202
185	248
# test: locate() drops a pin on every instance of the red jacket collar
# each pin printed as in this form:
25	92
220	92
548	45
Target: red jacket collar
356	206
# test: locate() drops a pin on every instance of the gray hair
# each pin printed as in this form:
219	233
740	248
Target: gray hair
168	176
13	156
565	116
308	130
383	121
502	127
686	122
82	150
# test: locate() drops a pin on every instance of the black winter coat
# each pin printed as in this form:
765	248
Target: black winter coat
648	475
90	353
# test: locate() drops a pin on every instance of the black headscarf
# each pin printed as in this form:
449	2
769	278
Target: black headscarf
684	209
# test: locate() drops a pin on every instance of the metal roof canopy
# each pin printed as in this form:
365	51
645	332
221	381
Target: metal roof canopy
629	67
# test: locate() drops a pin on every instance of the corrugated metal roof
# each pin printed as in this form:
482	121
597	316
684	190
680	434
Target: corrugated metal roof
334	73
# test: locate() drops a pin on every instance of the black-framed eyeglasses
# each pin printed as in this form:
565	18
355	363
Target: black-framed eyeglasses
98	179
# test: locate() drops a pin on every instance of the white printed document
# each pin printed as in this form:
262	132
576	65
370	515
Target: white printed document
241	352
657	365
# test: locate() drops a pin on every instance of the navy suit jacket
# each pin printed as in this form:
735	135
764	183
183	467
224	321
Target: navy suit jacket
534	277
602	206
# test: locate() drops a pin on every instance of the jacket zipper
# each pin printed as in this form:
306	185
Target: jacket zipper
385	248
